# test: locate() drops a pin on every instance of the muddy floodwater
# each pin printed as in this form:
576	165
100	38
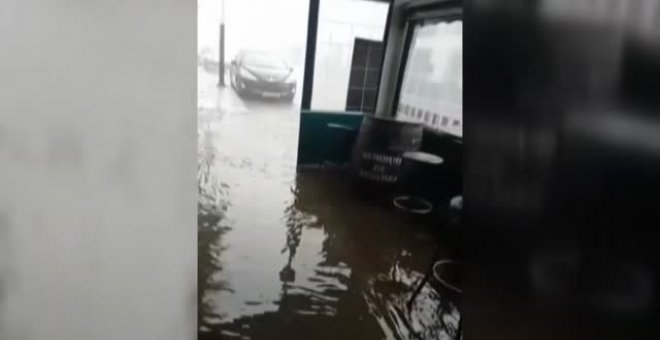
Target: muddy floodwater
297	255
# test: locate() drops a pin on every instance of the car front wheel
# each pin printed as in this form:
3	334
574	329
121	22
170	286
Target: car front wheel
237	86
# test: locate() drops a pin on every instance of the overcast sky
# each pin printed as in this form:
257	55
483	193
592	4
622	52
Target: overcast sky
253	24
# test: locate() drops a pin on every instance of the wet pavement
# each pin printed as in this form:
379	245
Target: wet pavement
286	255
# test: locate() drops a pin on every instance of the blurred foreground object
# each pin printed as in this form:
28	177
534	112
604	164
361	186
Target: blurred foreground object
97	170
563	172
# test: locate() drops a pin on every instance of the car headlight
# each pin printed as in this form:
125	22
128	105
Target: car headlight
245	74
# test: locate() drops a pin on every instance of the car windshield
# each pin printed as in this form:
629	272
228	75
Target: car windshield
263	60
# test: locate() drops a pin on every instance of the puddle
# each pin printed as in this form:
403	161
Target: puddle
286	255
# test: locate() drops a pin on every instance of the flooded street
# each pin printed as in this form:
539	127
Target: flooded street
286	255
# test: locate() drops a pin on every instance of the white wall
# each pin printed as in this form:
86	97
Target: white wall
98	169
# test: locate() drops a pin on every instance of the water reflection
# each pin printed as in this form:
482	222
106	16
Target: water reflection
212	205
348	271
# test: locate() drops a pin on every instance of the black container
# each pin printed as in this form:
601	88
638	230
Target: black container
377	155
421	173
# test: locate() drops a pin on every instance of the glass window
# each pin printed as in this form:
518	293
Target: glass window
349	51
433	76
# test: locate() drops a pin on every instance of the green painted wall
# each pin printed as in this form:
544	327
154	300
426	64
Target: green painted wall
326	137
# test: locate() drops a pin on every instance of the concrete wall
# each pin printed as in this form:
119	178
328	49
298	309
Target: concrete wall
98	162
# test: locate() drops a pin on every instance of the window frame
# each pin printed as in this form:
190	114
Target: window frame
310	53
422	12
